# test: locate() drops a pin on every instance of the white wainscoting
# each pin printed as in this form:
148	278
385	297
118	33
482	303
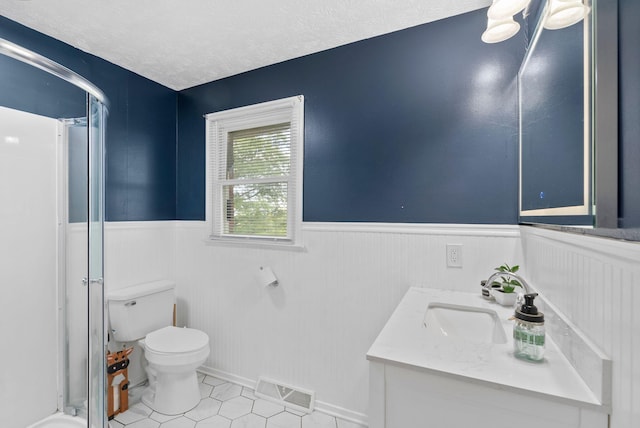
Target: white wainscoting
334	297
595	282
315	328
136	252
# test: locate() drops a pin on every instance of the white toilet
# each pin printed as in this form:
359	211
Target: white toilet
144	313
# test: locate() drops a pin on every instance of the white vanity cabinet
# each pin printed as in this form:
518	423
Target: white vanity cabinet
401	397
417	379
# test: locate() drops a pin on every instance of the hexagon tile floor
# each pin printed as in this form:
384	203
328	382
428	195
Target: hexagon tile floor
227	405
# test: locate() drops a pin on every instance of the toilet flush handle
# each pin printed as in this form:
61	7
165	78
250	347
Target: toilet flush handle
131	303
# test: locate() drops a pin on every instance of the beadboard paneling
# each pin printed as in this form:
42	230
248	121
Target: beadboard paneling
314	329
334	297
134	252
138	252
594	282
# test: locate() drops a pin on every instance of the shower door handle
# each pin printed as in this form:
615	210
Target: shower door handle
86	281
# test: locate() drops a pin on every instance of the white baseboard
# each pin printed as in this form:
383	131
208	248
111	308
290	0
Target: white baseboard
238	380
342	413
320	406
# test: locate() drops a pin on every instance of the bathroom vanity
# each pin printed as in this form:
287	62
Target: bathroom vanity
445	359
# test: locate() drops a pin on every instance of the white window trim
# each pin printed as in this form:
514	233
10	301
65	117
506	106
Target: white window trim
286	109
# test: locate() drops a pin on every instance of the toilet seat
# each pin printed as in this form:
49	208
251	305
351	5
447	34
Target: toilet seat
172	339
171	346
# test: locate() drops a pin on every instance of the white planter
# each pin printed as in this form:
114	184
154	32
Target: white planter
505	299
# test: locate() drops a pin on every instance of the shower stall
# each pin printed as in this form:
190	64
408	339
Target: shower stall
52	131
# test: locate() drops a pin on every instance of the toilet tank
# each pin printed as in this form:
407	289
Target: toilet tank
140	309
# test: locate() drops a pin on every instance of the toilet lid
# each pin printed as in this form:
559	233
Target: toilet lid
176	340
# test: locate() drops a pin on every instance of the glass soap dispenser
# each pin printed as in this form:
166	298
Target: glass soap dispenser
528	331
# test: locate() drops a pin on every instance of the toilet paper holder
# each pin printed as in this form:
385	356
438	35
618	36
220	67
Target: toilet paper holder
266	277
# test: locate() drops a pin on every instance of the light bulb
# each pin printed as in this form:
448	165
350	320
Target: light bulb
501	9
499	30
565	13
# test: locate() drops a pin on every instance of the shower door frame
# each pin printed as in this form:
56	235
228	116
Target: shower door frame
62	228
97	327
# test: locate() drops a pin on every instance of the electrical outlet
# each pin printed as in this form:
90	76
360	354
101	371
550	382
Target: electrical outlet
454	255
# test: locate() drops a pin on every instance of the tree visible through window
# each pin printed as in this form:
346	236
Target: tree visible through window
261	158
255	171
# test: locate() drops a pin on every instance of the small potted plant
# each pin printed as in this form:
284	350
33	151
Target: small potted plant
505	293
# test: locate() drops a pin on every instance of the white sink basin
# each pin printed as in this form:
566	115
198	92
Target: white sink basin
466	323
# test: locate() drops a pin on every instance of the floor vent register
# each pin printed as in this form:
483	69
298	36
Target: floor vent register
287	395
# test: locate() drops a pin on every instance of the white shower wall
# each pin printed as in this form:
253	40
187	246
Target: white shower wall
28	267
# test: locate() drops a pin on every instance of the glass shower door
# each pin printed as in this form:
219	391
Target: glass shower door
84	328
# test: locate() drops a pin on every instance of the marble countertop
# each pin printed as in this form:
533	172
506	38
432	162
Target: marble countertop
404	342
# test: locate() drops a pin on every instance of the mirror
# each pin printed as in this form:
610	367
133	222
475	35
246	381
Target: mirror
568	124
555	128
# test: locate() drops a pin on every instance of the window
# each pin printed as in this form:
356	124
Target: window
254	172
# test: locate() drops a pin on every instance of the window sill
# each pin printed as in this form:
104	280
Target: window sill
253	243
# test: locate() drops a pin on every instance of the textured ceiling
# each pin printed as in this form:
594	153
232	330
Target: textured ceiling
184	43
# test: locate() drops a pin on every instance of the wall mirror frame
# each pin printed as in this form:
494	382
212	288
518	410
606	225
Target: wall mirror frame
585	168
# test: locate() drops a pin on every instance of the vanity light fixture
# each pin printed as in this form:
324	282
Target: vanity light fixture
501	26
501	9
565	13
500	23
499	30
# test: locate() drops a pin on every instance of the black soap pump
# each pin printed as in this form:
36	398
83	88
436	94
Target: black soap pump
528	331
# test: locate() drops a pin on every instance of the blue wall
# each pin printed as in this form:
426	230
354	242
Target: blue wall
141	127
415	126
